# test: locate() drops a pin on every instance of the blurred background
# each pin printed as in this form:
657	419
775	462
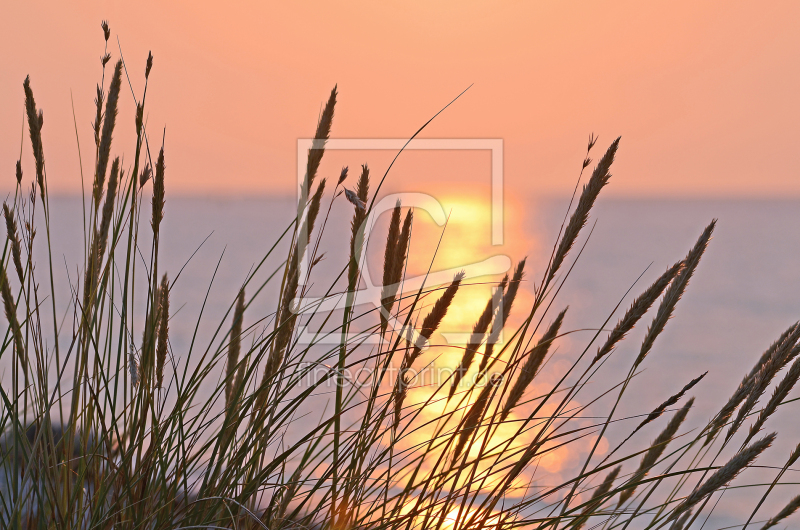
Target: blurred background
704	96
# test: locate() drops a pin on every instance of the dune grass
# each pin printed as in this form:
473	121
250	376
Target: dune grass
134	439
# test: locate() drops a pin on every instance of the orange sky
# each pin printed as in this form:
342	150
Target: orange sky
704	94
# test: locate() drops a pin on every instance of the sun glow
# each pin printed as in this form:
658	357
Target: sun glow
434	431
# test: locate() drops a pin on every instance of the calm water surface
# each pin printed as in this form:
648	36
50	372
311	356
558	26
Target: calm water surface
744	294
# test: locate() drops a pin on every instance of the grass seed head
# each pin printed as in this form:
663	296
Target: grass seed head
787	510
149	65
109	121
598	180
163	333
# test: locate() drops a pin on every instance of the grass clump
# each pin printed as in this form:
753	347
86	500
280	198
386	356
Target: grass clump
135	438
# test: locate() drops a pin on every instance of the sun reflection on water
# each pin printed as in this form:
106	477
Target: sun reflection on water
466	240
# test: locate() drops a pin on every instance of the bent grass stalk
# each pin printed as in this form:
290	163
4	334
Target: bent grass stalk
228	434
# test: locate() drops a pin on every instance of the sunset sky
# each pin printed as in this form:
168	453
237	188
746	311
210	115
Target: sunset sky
704	95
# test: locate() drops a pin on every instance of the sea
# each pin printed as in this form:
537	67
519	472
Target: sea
745	293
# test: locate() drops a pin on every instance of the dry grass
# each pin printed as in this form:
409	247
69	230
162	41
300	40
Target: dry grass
220	436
